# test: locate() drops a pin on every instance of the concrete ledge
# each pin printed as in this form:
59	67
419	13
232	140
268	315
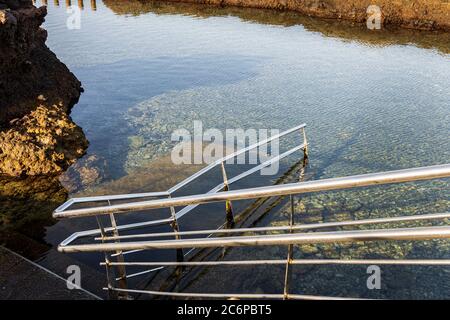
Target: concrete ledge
22	279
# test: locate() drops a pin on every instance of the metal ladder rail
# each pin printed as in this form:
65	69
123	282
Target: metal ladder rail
65	207
187	209
290	239
221	186
365	235
173	220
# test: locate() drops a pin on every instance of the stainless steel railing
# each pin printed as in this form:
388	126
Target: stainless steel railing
290	236
64	210
398	176
423	233
116	245
364	180
64	207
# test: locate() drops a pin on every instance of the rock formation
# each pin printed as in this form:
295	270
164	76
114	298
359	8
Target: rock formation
414	14
335	28
37	92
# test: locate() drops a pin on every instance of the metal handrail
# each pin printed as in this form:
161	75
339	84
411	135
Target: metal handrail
407	262
233	155
309	226
231	295
220	186
183	211
230	238
62	210
422	233
181	184
364	180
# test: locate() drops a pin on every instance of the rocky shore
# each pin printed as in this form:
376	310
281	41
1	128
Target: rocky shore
415	14
37	91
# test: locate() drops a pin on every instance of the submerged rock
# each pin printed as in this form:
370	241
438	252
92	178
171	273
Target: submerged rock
37	92
86	173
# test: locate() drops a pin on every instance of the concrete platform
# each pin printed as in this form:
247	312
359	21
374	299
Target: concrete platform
22	279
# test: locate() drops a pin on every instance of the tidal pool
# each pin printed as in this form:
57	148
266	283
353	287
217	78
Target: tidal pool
373	101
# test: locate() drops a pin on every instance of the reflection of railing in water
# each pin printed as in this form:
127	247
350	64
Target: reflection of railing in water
64	211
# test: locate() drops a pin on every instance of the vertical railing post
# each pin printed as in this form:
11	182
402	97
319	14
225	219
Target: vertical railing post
288	273
176	230
305	149
111	293
228	205
120	268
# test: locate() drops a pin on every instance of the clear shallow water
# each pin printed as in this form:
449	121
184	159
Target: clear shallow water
372	102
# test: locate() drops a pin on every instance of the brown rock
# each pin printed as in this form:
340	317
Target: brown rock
420	14
37	91
43	142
